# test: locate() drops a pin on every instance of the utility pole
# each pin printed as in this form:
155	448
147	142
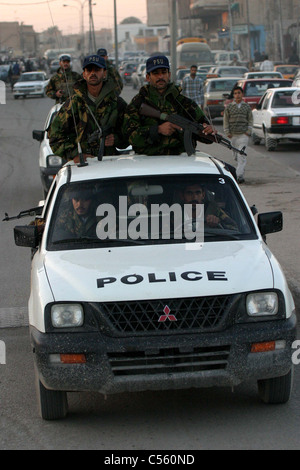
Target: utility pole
173	38
249	31
92	42
230	24
116	35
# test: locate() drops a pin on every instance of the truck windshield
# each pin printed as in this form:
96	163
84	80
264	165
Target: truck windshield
147	210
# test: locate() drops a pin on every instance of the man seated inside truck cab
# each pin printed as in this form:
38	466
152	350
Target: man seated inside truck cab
214	216
77	217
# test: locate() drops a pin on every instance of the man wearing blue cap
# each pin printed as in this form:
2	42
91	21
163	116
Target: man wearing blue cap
61	84
93	111
112	72
149	135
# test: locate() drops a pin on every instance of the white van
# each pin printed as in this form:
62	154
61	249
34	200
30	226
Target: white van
226	57
139	301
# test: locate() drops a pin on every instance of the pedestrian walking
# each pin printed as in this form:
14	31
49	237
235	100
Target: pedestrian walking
238	123
192	87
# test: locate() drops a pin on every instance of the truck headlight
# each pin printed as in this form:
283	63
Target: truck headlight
262	304
67	315
54	160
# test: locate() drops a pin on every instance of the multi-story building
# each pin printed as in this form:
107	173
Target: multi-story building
270	26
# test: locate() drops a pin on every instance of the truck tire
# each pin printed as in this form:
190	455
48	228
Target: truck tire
53	404
271	144
276	390
255	140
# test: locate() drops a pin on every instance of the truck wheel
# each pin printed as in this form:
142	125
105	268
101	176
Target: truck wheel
255	140
271	144
52	404
276	390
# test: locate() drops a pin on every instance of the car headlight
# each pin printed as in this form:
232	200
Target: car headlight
54	160
67	315
262	304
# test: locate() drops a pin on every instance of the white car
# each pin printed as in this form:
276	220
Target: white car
31	84
130	303
49	164
276	118
252	75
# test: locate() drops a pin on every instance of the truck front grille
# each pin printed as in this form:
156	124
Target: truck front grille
149	316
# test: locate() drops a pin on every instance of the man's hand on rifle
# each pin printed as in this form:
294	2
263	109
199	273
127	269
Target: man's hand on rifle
168	128
208	129
109	140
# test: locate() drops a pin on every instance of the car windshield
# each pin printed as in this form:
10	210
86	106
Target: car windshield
148	210
286	99
258	88
32	77
232	72
222	85
285	69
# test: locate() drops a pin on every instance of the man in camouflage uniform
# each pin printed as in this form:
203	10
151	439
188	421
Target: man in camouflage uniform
60	86
78	219
93	109
111	71
148	135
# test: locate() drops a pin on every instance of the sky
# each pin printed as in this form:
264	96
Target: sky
42	14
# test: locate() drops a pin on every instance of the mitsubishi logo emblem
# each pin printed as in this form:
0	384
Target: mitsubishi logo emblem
167	315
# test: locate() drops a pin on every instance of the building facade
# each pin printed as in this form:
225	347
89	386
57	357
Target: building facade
269	26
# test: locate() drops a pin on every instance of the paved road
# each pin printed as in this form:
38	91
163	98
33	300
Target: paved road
189	419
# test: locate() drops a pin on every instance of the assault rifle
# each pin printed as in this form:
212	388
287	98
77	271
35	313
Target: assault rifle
27	213
192	130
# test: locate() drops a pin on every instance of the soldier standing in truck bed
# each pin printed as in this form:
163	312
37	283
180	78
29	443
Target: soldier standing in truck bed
148	135
61	84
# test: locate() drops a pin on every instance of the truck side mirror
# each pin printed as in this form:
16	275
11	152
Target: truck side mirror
38	135
270	222
26	235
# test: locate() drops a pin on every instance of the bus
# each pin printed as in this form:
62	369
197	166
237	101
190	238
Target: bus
184	39
193	53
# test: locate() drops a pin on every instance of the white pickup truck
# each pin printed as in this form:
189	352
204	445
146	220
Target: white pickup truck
140	290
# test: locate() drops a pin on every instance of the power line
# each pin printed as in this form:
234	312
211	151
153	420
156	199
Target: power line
27	4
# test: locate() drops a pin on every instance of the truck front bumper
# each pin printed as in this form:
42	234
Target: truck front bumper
136	363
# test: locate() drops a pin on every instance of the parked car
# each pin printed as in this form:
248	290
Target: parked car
288	71
214	90
31	84
4	72
258	74
138	76
254	89
54	65
49	164
276	118
127	70
148	309
226	71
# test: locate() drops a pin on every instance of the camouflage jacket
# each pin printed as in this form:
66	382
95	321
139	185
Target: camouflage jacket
62	81
115	76
70	225
142	131
108	113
